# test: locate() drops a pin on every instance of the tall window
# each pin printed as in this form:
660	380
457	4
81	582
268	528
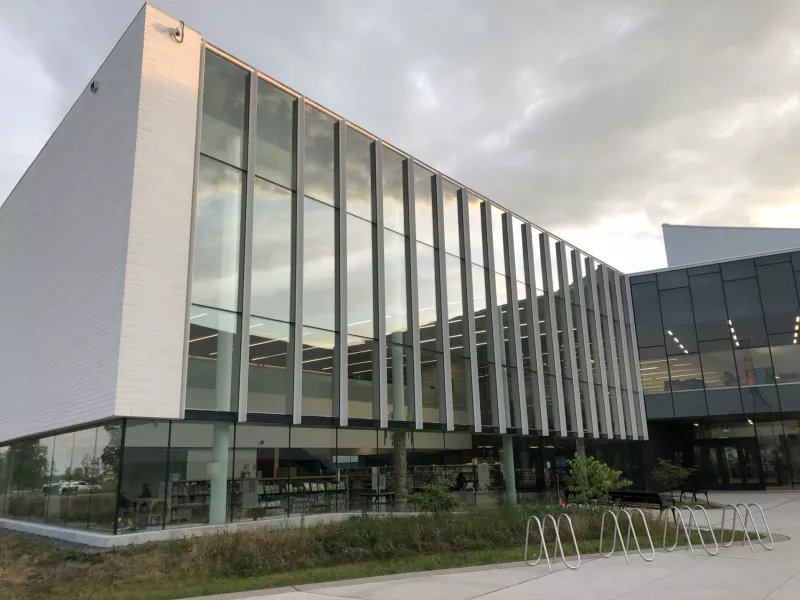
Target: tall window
216	286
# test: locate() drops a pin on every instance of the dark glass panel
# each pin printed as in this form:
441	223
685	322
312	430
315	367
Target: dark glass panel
710	313
143	487
779	297
400	389
426	293
703	269
272	251
452	236
319	265
360	378
430	363
319	155
225	99
275	134
200	470
678	320
318	350
738	269
358	166
268	385
772	259
721	380
359	277
212	377
394	252
460	372
217	236
672	279
423	203
685	373
476	228
393	201
746	319
647	314
646	278
455	305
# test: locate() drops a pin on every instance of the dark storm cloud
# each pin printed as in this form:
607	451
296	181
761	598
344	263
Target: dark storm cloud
597	119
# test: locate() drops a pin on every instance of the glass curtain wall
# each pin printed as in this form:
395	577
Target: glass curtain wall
729	334
68	479
216	264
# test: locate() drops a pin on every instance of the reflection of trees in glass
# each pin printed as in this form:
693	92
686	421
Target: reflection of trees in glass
29	464
109	457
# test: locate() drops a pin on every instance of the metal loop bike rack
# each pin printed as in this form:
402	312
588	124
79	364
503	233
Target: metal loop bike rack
693	521
559	547
677	514
630	512
735	514
617	533
744	521
766	526
614	535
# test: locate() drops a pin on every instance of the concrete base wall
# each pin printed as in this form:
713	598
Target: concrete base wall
99	540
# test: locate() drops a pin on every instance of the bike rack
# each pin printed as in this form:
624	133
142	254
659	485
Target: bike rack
543	544
744	521
617	533
629	512
693	520
676	513
736	513
766	526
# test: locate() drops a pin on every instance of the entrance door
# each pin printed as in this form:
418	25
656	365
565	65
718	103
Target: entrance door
728	464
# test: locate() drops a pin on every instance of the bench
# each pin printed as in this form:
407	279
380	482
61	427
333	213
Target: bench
693	490
632	498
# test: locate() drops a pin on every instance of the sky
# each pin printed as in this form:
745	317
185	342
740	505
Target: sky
598	121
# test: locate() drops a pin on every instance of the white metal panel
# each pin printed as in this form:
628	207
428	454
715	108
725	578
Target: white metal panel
63	250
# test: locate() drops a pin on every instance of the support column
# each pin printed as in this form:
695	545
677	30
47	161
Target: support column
218	510
508	467
580	447
221	440
398	392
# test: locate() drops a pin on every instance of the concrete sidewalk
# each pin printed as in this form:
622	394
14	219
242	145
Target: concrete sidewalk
735	573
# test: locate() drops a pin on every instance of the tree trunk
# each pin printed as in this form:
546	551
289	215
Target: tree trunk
400	471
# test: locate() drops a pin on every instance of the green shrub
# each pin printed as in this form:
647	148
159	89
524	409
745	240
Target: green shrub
592	480
436	498
670	476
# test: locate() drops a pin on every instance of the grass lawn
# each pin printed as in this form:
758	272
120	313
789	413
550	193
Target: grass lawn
361	547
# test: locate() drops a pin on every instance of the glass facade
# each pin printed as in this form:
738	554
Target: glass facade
719	355
360	326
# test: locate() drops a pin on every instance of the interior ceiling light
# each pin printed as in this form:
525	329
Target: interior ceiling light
731	322
669	332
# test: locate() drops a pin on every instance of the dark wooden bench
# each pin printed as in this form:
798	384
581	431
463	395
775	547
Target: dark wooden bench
693	489
633	498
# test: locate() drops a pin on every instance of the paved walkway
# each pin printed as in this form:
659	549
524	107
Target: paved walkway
735	573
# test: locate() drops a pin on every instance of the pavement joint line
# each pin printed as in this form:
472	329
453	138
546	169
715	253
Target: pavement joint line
689	566
788	579
543	575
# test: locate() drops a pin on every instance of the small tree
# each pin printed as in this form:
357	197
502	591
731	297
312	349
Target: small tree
436	498
593	480
670	476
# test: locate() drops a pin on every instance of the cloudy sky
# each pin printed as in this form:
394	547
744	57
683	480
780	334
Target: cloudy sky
596	120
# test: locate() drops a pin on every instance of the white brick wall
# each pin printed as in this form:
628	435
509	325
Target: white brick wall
94	244
154	311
